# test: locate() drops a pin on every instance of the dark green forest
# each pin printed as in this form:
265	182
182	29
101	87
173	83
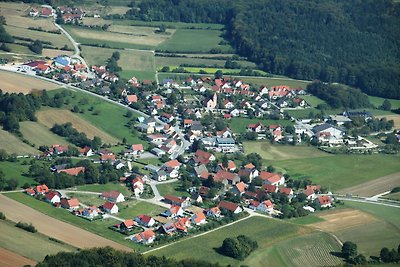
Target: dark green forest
355	42
110	257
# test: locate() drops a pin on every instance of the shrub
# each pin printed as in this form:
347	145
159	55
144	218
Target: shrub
26	227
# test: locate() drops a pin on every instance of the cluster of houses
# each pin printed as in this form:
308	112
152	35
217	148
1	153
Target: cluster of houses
68	14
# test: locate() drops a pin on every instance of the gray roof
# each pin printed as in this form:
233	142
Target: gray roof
323	127
225	140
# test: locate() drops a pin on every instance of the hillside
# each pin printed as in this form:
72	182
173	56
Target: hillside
352	42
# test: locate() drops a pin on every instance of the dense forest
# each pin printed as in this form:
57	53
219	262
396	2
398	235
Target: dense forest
110	257
355	42
339	96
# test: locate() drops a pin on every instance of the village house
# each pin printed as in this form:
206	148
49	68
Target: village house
327	133
137	149
230	206
272	178
127	225
52	197
110	207
41	189
90	212
138	185
226	177
199	218
70	204
214	212
86	151
325	201
257	127
266	206
203	157
145	220
211	103
130	99
113	196
239	189
72	171
177	201
146	237
173	212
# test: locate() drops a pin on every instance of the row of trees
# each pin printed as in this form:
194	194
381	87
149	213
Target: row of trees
77	138
350	253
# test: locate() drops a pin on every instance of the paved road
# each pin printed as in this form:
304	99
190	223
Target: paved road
363	200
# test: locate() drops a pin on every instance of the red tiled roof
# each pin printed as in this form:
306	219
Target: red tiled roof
172	163
107	157
128	223
199	217
113	194
249	166
41	188
144	218
132	98
286	190
241	187
222	175
271	177
202	157
323	200
73	171
228	205
51	194
173	199
270	188
108	205
137	147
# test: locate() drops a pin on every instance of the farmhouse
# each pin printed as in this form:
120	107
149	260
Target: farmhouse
127	225
138	185
203	157
199	218
113	196
325	201
41	189
226	177
327	133
257	127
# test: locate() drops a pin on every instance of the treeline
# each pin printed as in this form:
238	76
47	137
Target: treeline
190	11
15	108
338	96
77	138
4	36
348	41
108	256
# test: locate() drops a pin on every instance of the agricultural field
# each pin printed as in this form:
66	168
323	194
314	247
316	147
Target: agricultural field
269	151
395	118
51	53
11	259
14	145
239	125
274	81
34	246
172	25
393	196
172	189
374	187
191	40
25	83
133	208
174	62
39	134
266	232
49	117
339	171
17	170
100	188
133	62
59	223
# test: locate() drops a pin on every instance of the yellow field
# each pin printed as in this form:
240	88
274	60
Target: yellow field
52	116
39	134
17	83
13	145
395	118
54	52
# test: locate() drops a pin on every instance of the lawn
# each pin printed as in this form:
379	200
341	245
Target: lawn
270	151
99	227
16	170
377	102
35	246
88	199
313	101
275	81
265	231
100	188
172	189
192	40
14	145
340	171
39	134
309	219
132	209
211	70
111	118
177	61
239	125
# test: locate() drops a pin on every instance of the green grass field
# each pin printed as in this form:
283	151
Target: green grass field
275	81
266	232
39	134
88	199
394	196
14	145
100	188
269	151
177	25
99	227
377	102
309	219
239	125
340	171
189	40
133	208
35	246
177	61
16	170
111	119
313	101
172	189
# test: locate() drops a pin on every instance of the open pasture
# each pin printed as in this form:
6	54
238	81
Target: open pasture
39	134
49	117
14	145
174	62
17	83
133	208
17	170
11	259
275	81
281	152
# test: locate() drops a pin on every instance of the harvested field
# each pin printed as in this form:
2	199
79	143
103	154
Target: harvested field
395	118
374	187
11	259
54	52
343	219
17	83
16	211
39	134
13	145
50	117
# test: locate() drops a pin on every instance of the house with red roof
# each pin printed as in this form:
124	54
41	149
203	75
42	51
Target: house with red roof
47	12
30	191
214	212
173	212
230	206
177	201
72	171
226	177
266	206
272	178
145	220
41	189
287	191
138	185
90	212
86	151
52	197
146	237
325	201
187	123
110	207
269	188
199	218
130	99
70	204
127	225
239	189
137	149
174	164
310	193
107	158
182	224
113	196
257	127
203	157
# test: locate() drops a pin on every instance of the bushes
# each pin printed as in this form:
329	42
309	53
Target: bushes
2	216
239	247
26	227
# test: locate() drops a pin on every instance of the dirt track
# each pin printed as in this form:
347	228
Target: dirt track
374	187
47	225
10	259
